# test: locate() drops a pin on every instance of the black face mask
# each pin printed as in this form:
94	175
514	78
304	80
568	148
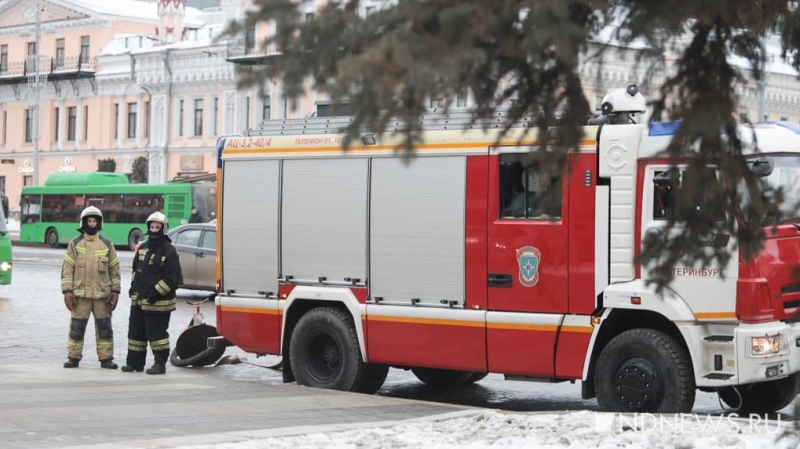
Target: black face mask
89	230
155	238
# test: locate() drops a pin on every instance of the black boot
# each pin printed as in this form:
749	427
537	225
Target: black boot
157	368
130	369
108	364
72	363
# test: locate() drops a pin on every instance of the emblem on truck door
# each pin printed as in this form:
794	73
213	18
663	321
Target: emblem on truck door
528	259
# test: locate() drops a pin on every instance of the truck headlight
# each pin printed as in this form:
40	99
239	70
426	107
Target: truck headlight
766	345
5	266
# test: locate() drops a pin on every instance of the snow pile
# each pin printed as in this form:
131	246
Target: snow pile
583	429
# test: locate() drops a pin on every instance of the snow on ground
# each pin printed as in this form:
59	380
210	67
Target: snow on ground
582	429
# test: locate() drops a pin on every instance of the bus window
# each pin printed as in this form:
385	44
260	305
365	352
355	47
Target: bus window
30	209
112	208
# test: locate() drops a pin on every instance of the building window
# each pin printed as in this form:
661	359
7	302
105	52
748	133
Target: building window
743	117
84	49
437	101
116	120
180	118
198	117
72	115
247	113
27	180
59	61
85	122
56	123
4	58
31	48
29	125
309	16
598	102
784	119
266	108
147	119
215	118
5	126
250	39
370	10
461	99
132	114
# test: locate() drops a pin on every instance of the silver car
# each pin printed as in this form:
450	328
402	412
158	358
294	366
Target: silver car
197	247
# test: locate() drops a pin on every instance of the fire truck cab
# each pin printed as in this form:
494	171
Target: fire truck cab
470	259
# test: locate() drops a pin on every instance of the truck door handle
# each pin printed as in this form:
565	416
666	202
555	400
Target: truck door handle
499	280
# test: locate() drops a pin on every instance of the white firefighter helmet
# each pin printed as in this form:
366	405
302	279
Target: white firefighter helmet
157	217
91	211
530	180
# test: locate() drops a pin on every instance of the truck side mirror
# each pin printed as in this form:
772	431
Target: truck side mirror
663	179
761	167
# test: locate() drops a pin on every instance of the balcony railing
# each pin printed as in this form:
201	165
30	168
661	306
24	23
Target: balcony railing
246	52
50	66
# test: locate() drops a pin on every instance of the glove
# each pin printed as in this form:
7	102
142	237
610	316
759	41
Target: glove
112	301
153	297
69	301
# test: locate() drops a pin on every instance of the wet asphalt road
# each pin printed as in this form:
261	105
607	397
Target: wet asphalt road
34	325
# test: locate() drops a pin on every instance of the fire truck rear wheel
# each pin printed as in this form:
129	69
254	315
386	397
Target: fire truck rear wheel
763	397
476	377
324	351
442	377
644	371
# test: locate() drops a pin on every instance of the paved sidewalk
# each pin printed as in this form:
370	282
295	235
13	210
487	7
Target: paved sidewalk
47	406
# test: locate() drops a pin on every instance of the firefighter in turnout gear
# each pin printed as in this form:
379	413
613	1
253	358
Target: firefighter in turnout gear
90	282
156	275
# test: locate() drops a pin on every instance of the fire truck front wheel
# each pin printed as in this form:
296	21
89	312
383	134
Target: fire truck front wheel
644	371
324	353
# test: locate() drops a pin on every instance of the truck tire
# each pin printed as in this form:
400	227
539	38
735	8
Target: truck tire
51	237
442	377
760	398
644	371
324	351
476	377
374	377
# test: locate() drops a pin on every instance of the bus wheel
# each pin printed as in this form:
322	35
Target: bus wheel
763	397
324	351
644	371
51	237
442	377
134	238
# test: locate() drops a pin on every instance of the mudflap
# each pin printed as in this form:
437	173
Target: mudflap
192	349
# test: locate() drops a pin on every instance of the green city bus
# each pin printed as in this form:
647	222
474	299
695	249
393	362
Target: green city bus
5	243
50	213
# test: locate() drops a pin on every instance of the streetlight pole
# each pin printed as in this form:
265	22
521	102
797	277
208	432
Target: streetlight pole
37	91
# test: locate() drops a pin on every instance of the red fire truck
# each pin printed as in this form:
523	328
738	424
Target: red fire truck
469	259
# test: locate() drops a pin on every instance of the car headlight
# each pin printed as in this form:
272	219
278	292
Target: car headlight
5	266
767	345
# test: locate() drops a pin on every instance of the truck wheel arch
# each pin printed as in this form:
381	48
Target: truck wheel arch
617	321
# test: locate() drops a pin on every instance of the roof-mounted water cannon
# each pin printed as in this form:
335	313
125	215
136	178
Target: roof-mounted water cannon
619	105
